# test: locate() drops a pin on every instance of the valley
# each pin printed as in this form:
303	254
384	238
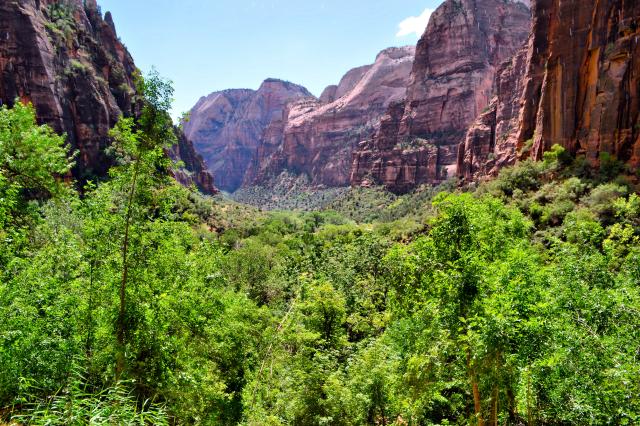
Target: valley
448	235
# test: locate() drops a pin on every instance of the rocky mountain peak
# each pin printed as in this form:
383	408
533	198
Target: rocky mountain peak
227	126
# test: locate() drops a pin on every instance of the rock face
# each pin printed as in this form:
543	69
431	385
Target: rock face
576	83
194	171
451	82
68	62
226	127
491	142
583	81
317	137
63	57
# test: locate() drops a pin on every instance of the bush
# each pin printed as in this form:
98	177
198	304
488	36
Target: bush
582	227
524	176
610	167
602	198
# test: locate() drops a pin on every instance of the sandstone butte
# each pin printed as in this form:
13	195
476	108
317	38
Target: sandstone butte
68	61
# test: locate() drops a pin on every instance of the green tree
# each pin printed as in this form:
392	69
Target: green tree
140	145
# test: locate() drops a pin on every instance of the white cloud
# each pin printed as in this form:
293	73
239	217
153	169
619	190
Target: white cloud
414	24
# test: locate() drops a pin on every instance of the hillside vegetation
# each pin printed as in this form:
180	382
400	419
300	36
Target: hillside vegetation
142	302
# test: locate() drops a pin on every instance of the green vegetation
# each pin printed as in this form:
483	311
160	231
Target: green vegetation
61	24
287	192
141	302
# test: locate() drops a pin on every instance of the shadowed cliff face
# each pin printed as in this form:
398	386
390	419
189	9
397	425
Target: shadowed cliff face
317	137
226	127
68	62
63	57
452	81
194	171
575	83
491	142
583	82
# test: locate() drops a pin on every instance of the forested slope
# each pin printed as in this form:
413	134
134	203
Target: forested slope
514	302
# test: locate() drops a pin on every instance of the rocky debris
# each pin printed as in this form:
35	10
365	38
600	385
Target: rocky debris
451	83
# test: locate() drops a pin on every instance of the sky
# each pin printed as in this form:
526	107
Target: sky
209	45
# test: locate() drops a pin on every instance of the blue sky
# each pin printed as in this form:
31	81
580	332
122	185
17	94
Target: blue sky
210	45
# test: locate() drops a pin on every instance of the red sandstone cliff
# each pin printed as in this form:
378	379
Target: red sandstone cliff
452	82
583	81
491	142
576	83
316	137
68	61
195	171
226	127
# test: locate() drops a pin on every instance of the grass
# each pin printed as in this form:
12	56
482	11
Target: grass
76	404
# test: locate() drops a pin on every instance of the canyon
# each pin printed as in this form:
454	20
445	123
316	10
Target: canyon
250	138
490	82
396	123
452	81
67	60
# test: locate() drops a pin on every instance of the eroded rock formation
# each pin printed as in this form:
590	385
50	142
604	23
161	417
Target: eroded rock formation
576	83
63	57
226	126
451	83
317	137
492	142
583	81
195	171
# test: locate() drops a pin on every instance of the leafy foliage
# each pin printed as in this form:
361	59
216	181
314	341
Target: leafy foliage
517	302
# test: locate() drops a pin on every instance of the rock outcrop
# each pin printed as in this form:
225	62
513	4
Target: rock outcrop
226	127
317	137
63	57
576	83
194	171
67	61
452	82
492	142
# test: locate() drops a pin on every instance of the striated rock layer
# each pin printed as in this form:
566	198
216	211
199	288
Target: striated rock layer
583	82
492	142
452	82
576	83
316	137
226	126
63	57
